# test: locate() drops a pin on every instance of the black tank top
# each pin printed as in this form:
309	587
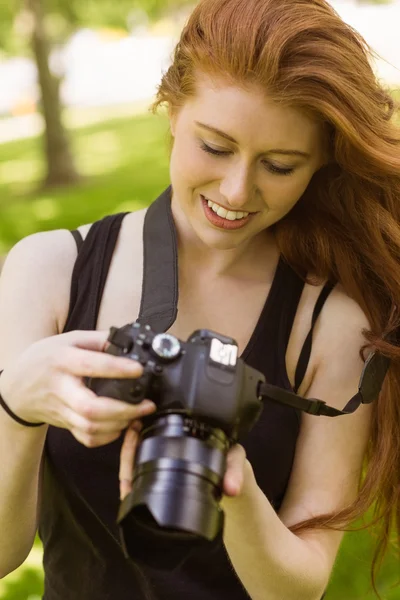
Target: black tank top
83	558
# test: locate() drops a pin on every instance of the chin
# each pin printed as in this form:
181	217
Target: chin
217	240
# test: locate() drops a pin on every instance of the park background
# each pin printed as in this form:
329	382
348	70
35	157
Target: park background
77	142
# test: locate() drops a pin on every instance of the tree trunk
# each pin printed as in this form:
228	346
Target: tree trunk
60	165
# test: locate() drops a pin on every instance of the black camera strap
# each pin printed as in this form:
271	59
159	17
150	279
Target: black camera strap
159	302
369	387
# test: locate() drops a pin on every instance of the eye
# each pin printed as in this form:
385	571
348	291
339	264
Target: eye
269	166
210	150
279	170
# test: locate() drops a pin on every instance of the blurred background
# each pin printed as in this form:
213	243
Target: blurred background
77	142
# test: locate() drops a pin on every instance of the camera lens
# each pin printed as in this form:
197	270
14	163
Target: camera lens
177	486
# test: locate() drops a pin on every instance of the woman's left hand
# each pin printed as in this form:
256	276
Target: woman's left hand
235	468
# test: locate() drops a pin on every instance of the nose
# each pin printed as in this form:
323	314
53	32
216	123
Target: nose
238	186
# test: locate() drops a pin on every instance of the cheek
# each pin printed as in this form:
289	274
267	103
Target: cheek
189	163
283	195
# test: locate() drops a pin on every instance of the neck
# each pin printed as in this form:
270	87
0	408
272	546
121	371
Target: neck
250	259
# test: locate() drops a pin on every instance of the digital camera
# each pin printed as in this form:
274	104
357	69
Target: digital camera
206	398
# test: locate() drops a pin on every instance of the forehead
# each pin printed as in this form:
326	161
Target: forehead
251	117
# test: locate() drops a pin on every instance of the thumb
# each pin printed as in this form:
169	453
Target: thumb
127	458
234	474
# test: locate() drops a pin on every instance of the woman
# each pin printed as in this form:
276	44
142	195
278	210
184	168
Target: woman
285	179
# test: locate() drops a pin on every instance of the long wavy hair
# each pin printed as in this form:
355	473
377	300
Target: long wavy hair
345	227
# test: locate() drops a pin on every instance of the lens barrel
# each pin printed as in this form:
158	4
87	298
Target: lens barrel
177	484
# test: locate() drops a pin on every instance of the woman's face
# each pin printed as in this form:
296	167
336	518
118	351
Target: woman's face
239	154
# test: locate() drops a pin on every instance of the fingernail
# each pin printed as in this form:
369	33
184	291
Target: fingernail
147	405
136	426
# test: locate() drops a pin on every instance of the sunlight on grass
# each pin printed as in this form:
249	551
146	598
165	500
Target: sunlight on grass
17	171
100	153
128	206
45	209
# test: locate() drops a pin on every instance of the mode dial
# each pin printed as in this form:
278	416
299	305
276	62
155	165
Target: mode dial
166	346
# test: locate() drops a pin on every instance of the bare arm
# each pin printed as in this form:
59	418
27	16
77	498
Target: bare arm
272	562
43	381
26	315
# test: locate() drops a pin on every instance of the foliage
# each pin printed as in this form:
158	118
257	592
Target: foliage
10	40
63	17
109	12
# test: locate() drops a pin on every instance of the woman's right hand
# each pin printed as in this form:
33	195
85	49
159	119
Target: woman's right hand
46	385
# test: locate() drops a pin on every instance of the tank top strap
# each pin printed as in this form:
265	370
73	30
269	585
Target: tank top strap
76	234
306	350
284	312
90	272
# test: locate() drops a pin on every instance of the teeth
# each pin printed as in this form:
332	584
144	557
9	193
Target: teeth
221	212
230	215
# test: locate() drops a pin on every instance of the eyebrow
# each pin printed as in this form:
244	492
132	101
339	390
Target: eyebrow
231	139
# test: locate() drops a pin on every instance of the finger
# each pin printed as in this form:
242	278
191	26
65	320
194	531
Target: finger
90	340
94	441
98	409
77	397
86	363
234	474
95	428
127	458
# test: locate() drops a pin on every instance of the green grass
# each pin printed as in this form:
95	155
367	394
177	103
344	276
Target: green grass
126	164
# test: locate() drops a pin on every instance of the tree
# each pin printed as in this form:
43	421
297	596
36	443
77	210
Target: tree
27	26
61	169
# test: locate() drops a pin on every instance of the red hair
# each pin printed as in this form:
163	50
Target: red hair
345	227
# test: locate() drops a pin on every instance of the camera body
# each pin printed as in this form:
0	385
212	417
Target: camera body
206	398
203	377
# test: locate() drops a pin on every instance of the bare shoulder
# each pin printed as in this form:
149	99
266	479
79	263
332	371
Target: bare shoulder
133	222
341	310
339	333
38	257
34	284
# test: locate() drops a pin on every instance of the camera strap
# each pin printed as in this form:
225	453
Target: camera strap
369	387
159	302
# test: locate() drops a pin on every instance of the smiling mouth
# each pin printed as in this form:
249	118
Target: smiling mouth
221	218
226	213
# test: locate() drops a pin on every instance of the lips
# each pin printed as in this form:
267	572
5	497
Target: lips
220	222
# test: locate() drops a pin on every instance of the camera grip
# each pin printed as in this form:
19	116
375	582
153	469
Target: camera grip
132	391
